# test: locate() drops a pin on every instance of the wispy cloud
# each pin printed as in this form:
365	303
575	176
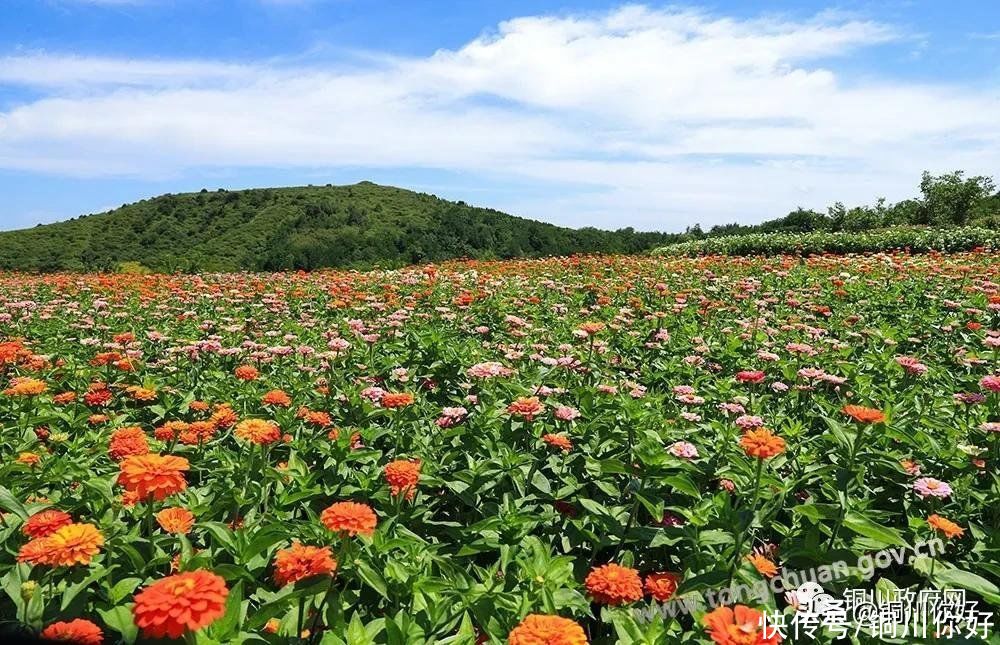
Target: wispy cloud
673	116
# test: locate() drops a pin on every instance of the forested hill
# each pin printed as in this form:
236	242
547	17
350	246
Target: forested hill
298	228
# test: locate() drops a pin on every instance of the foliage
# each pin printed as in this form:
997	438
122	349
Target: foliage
656	370
947	200
916	240
298	228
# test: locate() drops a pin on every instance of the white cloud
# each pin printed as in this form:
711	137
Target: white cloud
657	118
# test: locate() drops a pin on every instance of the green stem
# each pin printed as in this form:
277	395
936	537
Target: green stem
742	530
850	472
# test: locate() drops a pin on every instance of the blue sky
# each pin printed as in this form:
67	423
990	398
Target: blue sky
580	113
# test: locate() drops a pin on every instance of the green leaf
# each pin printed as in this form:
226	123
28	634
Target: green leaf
683	484
233	618
119	618
123	588
372	577
8	501
970	582
870	529
356	632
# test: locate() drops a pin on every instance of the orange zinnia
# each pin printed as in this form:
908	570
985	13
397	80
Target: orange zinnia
277	398
175	520
300	562
559	441
170	430
662	585
540	629
224	417
68	545
526	407
176	604
861	414
738	625
762	443
26	387
394	400
612	584
198	432
403	476
349	518
246	373
258	431
79	631
153	476
45	523
946	526
126	442
29	459
763	565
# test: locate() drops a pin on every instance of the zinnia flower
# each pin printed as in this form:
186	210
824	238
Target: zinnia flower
175	520
991	383
946	526
153	476
349	518
300	562
684	450
540	629
176	604
612	584
763	565
277	398
402	477
393	400
29	459
750	376
79	631
258	431
559	441
66	546
526	407
126	442
246	373
861	414
762	444
26	387
662	585
739	625
930	487
45	523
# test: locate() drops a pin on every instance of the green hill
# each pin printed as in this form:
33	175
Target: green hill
298	228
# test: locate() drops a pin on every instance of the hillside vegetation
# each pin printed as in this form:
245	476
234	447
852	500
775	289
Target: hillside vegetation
298	228
898	238
952	213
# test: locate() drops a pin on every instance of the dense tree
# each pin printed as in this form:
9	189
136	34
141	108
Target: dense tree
298	228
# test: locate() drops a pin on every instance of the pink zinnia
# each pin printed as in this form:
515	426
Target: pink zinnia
566	413
991	383
748	421
684	450
750	376
911	365
930	487
990	426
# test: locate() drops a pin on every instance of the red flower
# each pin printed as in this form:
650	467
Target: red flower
79	631
300	562
45	523
176	604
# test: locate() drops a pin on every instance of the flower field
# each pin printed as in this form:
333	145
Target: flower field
530	452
